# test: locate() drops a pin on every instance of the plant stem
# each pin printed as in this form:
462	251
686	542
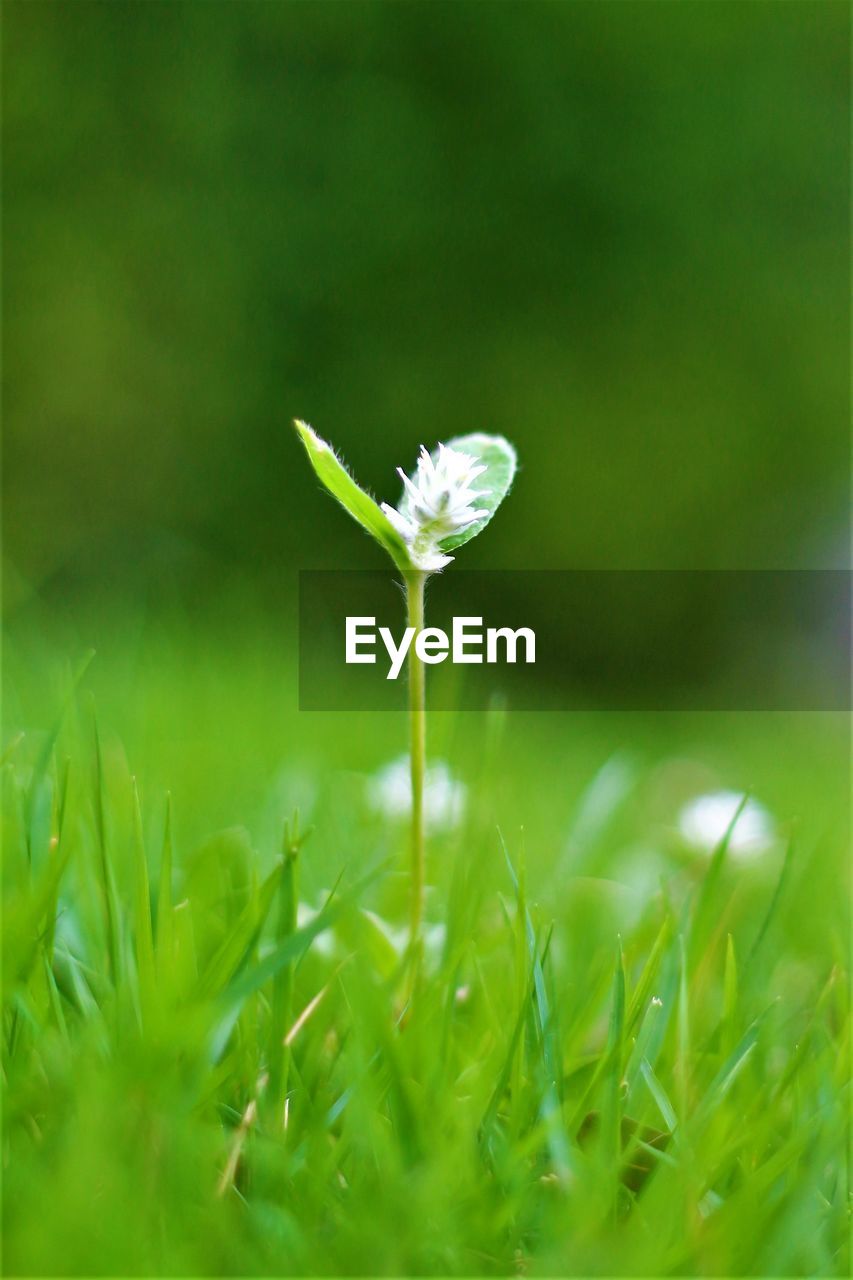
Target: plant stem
417	754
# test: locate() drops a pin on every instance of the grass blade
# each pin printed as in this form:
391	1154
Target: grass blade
643	989
658	1092
278	1049
294	946
703	913
235	949
144	936
109	894
730	1000
165	947
784	876
612	1107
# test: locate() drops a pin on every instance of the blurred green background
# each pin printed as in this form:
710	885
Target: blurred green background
616	233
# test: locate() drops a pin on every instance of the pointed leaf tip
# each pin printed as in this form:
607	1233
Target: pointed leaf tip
337	480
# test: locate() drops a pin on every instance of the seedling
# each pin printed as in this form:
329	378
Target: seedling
450	498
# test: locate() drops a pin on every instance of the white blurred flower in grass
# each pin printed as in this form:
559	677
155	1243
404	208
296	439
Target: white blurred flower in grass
704	821
398	937
331	944
389	792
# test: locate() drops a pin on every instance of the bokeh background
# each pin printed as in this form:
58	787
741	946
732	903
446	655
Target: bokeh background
616	233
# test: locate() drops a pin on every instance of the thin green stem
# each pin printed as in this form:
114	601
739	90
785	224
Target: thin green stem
417	754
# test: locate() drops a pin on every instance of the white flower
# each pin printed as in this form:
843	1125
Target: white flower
705	820
438	503
389	792
398	937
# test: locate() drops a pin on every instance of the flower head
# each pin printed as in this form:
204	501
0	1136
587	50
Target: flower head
389	792
704	821
438	503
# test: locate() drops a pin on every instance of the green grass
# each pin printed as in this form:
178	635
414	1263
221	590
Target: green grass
624	1060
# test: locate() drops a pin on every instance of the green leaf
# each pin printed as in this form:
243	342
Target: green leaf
165	915
46	752
704	914
22	933
658	1092
112	912
340	484
544	1028
643	990
281	1005
500	460
611	1110
142	914
781	884
731	1068
730	1000
238	944
292	947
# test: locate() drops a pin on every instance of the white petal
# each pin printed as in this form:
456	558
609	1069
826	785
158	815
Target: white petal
412	490
426	461
403	526
431	560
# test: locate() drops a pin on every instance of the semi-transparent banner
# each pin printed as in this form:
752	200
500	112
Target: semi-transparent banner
577	640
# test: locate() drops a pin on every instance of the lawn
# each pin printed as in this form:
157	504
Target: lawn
626	1052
